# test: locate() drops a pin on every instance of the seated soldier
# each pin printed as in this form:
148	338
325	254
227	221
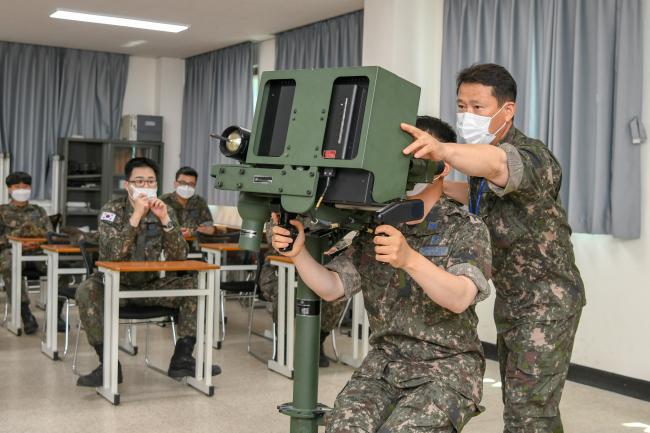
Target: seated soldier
191	209
425	369
21	218
139	227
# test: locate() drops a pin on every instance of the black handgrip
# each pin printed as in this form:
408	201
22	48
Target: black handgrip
285	217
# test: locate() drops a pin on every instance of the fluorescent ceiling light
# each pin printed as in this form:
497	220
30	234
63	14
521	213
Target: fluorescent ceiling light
117	21
133	44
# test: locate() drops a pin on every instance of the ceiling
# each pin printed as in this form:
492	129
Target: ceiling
213	23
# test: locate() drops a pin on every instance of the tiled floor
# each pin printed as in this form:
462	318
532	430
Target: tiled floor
39	395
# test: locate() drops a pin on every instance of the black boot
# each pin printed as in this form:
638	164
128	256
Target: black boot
183	363
60	324
95	378
30	325
323	361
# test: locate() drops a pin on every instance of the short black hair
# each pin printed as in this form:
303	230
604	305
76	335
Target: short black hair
139	162
18	177
440	130
187	171
504	87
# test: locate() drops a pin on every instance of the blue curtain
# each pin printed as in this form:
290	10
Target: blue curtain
332	43
50	92
578	67
218	93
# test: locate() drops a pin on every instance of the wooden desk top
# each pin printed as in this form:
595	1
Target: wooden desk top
189	238
282	259
221	246
61	248
27	240
170	266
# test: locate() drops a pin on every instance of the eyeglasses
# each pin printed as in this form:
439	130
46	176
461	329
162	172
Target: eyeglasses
192	184
140	182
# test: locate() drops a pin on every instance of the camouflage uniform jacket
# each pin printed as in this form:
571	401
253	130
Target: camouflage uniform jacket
414	340
535	275
28	221
195	213
120	242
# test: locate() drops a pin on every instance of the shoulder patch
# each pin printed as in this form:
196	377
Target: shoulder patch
108	216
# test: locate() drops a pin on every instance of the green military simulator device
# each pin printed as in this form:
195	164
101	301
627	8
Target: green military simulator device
326	144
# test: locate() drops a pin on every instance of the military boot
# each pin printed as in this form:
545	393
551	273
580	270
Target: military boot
96	378
323	361
60	324
183	363
30	325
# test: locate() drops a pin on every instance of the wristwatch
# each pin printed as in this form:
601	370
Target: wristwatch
169	226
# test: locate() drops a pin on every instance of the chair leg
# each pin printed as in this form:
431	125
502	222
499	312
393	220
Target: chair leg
345	310
147	361
5	317
250	319
67	328
76	350
275	343
174	336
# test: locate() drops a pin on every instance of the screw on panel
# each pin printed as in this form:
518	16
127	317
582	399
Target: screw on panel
239	185
308	192
280	190
219	184
311	174
284	172
222	170
242	171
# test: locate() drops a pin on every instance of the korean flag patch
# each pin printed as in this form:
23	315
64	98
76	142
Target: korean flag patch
108	216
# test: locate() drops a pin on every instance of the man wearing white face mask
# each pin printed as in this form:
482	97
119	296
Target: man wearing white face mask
140	227
514	187
191	209
20	218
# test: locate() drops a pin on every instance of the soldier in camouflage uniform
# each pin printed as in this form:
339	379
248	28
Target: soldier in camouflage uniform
140	227
514	187
191	209
21	218
424	372
330	312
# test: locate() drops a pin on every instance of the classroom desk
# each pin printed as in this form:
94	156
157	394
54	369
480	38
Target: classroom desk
202	379
17	259
54	254
215	253
285	328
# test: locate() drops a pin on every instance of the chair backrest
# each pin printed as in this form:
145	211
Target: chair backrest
55	238
90	253
55	220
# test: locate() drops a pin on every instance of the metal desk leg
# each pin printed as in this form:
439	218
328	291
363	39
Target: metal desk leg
203	373
219	324
111	328
49	347
15	323
359	318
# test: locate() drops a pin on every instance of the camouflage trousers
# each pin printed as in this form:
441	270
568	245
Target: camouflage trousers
534	361
5	271
90	300
374	405
330	311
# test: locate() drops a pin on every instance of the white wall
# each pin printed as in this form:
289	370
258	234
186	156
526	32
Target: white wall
613	333
155	87
266	55
405	37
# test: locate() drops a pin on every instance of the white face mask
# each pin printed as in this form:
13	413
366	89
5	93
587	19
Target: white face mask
475	129
21	194
150	193
185	191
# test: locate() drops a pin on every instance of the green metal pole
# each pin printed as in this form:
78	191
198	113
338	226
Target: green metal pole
305	411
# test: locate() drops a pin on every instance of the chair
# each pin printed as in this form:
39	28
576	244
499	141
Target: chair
129	314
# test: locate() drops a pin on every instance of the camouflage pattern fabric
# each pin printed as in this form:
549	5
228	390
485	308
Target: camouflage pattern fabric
119	241
534	362
26	221
421	352
534	272
193	214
